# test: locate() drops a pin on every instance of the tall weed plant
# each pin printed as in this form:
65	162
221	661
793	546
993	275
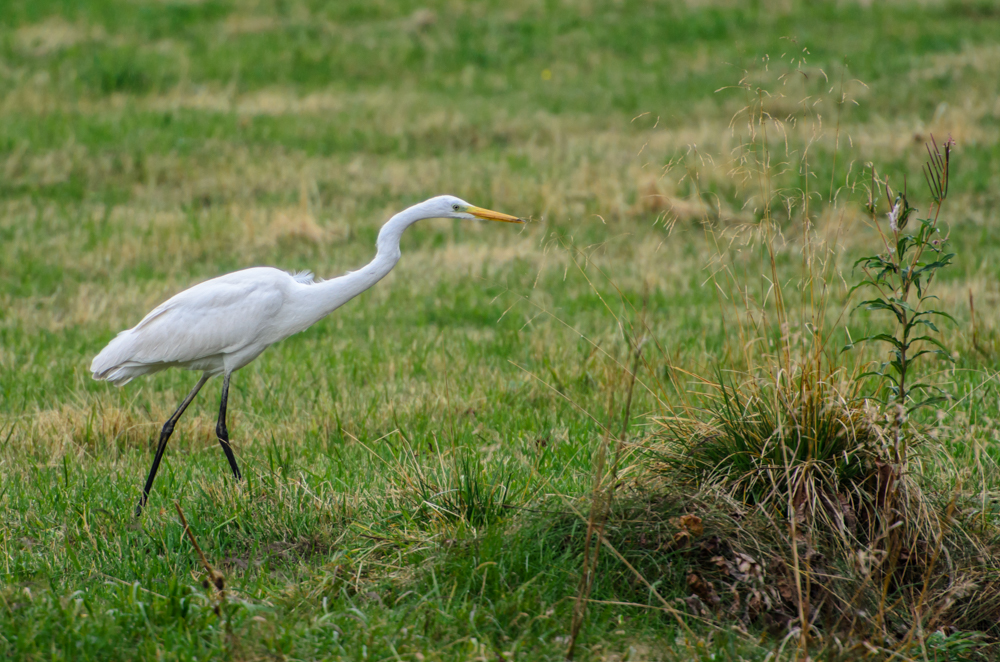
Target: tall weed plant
900	278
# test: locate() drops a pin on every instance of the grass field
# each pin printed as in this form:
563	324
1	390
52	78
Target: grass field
419	466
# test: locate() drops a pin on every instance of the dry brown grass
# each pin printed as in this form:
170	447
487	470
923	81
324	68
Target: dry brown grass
40	39
100	428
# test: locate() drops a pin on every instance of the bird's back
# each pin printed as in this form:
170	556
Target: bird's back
221	324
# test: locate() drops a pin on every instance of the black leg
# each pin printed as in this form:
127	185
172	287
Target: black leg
222	433
168	429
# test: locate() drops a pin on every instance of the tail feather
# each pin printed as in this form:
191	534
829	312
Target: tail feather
113	363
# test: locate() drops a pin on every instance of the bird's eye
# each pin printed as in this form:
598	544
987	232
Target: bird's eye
455	207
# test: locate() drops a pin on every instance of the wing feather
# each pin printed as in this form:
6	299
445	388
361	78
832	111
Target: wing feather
220	316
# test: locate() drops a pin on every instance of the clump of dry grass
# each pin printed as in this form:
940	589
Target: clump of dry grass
751	432
825	591
824	537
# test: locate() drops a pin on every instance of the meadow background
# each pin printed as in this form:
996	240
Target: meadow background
415	463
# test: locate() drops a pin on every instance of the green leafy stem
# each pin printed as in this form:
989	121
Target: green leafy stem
908	264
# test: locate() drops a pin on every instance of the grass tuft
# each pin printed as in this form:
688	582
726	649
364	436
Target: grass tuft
465	491
762	439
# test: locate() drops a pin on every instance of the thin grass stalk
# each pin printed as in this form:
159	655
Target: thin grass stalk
928	572
802	597
666	606
594	520
214	579
601	504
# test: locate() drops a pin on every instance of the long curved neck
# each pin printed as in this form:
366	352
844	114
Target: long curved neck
331	294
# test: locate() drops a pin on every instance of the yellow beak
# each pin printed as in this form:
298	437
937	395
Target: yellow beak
488	215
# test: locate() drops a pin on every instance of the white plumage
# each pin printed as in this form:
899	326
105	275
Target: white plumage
222	324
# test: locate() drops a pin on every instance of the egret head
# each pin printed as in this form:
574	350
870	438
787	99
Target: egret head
448	206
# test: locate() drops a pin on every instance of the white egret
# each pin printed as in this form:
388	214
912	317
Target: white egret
221	325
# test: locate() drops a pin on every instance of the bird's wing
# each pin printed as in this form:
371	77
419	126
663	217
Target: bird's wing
216	317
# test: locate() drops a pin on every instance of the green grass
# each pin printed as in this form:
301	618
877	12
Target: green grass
147	146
